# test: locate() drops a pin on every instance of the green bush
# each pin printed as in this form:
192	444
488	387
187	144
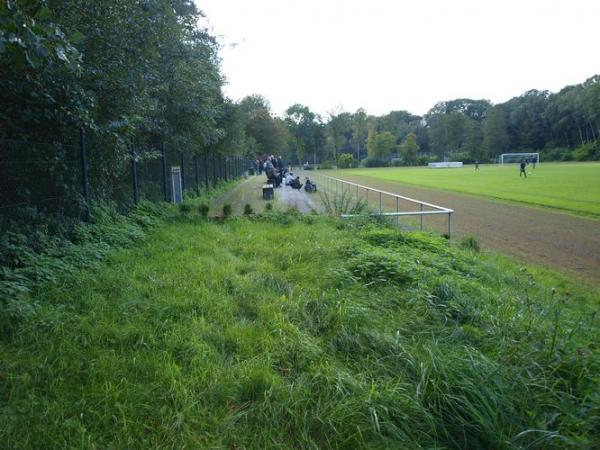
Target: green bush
203	210
269	206
227	210
248	211
346	161
587	152
371	161
424	160
185	207
327	165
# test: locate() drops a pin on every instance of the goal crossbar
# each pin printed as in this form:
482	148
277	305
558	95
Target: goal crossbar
517	157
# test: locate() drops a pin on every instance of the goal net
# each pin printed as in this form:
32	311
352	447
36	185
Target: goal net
511	158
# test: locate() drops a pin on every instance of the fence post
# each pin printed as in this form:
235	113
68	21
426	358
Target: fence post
181	163
449	225
397	211
206	181
380	204
214	167
421	217
84	173
164	171
134	176
197	174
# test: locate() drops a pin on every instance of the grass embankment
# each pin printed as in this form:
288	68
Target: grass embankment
302	332
570	187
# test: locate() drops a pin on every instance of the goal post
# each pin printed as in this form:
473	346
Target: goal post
511	158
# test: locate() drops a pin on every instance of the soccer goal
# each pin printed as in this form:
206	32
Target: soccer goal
510	158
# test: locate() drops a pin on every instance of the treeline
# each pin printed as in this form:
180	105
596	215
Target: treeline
145	73
561	126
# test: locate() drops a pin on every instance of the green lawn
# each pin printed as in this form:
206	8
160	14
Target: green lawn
573	187
300	332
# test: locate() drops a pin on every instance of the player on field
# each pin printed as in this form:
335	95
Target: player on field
523	169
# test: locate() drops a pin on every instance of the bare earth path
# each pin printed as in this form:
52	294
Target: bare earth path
564	242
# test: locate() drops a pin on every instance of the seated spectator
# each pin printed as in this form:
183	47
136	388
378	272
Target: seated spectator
310	186
295	183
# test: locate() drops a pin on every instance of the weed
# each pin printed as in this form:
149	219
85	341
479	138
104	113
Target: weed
470	243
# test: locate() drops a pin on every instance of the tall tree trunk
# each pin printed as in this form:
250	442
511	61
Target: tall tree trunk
592	130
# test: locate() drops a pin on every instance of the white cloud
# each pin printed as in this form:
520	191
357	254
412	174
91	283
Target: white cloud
391	54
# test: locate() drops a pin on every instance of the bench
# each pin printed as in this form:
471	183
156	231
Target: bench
267	192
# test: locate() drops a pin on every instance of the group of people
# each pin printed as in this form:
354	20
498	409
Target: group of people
273	168
277	174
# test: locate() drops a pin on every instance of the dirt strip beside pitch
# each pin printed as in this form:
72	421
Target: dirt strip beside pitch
561	241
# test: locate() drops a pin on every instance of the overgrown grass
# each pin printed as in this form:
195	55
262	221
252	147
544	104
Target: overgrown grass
289	331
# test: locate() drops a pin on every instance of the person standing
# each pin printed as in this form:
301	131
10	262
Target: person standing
476	164
523	169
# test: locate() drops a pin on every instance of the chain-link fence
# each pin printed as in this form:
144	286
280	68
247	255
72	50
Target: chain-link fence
66	179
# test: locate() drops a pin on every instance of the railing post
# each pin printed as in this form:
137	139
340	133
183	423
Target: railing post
134	176
449	225
397	211
421	217
84	174
164	171
380	204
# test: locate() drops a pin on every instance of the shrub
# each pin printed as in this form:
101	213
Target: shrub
470	243
424	160
227	210
203	210
371	161
269	206
185	207
587	152
554	153
346	160
248	211
308	167
326	165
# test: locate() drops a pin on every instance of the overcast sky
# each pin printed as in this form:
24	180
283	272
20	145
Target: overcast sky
386	55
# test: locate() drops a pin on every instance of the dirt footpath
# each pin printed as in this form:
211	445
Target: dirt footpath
561	241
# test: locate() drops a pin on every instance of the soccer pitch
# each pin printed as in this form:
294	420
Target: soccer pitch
572	187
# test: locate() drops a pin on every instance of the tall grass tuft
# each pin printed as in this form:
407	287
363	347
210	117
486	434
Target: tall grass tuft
342	203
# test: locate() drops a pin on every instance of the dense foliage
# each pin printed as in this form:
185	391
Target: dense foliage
561	126
351	335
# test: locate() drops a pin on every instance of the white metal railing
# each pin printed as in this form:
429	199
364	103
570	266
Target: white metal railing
335	184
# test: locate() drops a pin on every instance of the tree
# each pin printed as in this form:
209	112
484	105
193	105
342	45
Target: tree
409	149
359	130
307	134
473	139
381	145
495	137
